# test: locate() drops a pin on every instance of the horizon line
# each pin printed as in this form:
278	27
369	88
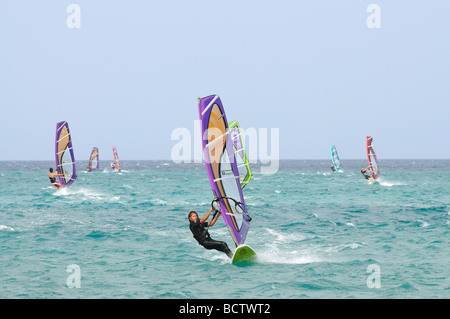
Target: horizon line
192	162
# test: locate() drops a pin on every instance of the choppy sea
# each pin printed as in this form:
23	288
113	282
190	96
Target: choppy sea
318	234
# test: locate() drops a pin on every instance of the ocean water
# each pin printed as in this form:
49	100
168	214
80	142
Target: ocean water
318	234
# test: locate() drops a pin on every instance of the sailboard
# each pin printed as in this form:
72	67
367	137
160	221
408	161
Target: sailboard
372	158
335	159
65	159
93	160
243	253
223	173
116	158
240	154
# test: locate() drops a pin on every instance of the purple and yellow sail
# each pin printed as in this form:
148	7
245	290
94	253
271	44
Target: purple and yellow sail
223	173
94	162
65	159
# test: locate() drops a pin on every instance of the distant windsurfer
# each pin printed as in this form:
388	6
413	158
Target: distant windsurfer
364	173
114	167
332	168
201	234
52	178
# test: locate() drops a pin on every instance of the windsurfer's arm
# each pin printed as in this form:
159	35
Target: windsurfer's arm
214	219
52	175
204	218
62	175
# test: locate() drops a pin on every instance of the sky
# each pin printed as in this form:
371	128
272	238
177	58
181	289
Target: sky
128	74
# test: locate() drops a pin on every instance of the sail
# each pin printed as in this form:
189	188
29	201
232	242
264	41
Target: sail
93	160
335	158
65	159
240	153
221	166
372	158
116	157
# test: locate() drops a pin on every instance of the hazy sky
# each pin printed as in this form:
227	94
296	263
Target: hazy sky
132	71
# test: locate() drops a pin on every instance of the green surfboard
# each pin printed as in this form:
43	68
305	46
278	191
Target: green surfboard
243	253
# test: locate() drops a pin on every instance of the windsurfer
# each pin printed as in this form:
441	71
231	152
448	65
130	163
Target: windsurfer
113	167
364	173
201	234
52	178
332	168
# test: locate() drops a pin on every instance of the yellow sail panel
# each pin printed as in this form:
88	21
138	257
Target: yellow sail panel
65	159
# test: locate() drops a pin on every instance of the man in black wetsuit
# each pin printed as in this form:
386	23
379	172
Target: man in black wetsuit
201	234
364	172
52	178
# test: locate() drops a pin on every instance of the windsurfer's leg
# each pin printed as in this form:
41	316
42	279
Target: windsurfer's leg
217	245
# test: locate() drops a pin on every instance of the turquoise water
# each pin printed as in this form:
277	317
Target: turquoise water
317	234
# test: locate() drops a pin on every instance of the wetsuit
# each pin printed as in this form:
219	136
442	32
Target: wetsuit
365	174
54	182
203	238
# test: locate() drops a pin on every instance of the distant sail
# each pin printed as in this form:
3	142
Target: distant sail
372	158
241	155
94	160
65	159
116	157
335	158
221	166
